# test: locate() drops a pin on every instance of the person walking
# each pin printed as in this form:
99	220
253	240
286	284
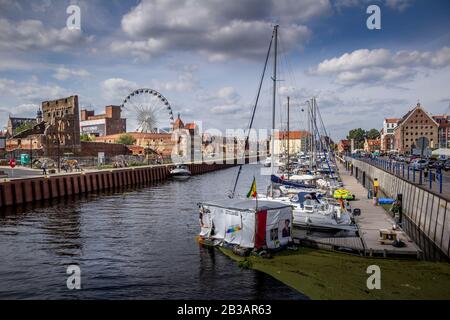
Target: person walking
44	168
376	185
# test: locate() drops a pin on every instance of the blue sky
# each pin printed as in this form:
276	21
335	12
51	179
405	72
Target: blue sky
206	57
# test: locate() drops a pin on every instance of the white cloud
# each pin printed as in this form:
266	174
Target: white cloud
399	5
381	65
223	96
226	109
116	89
184	82
31	91
218	29
27	35
63	73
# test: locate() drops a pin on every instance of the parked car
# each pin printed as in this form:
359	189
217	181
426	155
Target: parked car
410	159
436	164
419	164
447	165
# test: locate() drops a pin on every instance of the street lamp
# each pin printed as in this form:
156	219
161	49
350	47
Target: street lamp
58	143
148	153
31	152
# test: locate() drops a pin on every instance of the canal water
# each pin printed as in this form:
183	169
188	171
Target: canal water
130	244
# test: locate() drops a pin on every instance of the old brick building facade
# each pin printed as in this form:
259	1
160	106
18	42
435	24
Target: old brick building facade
160	143
105	124
62	130
416	124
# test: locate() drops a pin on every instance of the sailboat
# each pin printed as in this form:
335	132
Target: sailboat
318	212
248	223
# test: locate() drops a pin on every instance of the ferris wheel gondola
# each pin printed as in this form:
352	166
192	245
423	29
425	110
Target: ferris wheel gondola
149	110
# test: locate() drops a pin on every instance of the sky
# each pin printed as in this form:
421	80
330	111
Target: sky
206	58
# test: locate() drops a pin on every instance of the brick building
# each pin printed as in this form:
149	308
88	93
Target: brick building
2	143
372	145
387	134
62	126
14	123
344	147
443	130
160	143
92	149
298	141
413	126
105	124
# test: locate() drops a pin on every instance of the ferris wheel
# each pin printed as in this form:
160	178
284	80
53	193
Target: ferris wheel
149	111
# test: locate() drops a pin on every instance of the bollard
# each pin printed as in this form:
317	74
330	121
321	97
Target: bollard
403	170
414	174
440	183
420	176
408	173
430	178
400	209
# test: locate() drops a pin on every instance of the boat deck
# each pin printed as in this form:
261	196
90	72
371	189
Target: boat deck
372	219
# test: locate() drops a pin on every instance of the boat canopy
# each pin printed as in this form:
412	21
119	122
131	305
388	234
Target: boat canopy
441	152
300	198
245	204
276	179
239	222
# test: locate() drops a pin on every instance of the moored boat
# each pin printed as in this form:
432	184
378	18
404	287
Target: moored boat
181	172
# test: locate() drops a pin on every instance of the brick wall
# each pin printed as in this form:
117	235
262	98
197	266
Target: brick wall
91	149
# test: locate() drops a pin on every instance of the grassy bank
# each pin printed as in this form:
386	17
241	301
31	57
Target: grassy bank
330	275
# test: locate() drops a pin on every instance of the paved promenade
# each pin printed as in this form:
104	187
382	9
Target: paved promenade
372	219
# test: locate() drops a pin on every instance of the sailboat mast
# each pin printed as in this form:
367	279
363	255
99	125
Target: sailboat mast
289	137
310	146
313	123
274	78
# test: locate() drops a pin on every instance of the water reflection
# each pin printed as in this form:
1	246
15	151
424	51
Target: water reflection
129	244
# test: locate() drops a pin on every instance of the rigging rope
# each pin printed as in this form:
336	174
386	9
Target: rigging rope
253	114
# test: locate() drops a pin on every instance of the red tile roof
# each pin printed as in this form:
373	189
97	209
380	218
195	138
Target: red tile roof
190	126
392	120
281	135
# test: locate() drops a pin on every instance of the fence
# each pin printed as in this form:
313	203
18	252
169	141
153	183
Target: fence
427	213
433	180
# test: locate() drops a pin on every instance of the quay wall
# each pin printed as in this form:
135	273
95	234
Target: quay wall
27	190
427	214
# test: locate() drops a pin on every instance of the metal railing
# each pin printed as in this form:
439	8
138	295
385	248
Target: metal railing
432	179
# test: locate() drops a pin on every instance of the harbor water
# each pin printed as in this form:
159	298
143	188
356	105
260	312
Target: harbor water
137	243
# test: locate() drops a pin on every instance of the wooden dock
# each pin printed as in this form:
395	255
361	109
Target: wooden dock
372	219
352	244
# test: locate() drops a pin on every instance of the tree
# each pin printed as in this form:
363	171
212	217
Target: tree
358	135
373	134
126	139
86	138
23	127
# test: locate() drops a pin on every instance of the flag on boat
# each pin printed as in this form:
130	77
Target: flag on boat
252	192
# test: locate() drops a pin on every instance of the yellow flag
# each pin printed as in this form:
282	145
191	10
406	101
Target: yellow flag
252	192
